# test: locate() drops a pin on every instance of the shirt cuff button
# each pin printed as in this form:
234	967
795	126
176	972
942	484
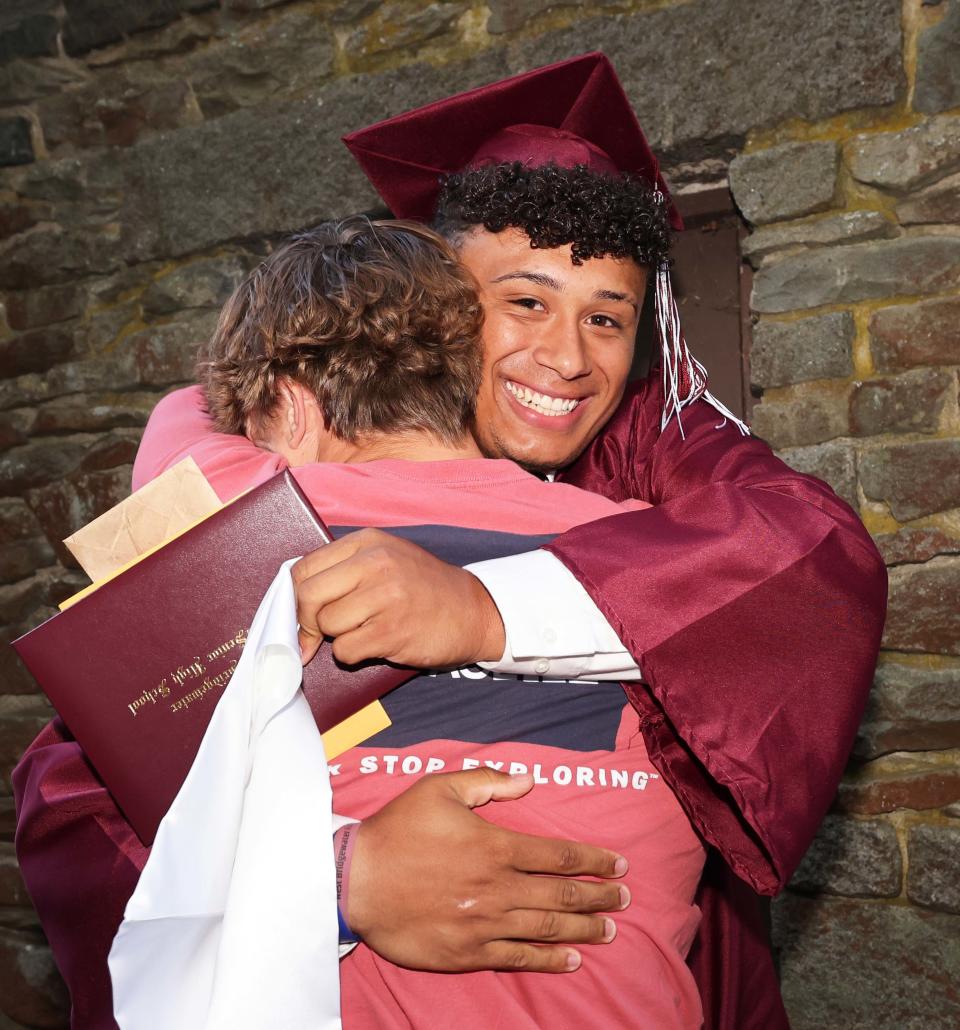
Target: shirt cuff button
542	666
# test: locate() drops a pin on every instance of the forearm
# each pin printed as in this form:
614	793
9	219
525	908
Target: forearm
179	426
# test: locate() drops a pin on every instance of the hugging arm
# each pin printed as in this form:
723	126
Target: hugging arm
753	600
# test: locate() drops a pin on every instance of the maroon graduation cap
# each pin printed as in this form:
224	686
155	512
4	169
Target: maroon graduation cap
573	112
570	113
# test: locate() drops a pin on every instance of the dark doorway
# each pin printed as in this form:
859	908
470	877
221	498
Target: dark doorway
707	285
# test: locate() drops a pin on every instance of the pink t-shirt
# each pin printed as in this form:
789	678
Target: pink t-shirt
594	779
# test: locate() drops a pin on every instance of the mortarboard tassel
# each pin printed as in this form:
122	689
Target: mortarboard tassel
684	378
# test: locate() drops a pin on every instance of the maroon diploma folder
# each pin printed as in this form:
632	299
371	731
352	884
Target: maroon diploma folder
135	668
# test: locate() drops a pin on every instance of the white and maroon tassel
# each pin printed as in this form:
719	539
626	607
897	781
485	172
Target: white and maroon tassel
684	378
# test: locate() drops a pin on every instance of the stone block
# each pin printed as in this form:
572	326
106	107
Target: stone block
34	351
918	782
28	28
73	377
938	70
916	544
16	427
40	461
693	102
908	403
914	478
803	414
14	676
56	254
852	858
937	203
284	56
932	880
23	547
164	355
251	5
511	15
34	994
904	160
922	614
8	819
27	309
22	717
16	146
111	450
785	181
398	27
18	600
63	507
95	412
927	333
848	227
792	352
95	23
12	889
260	171
910	708
835	463
860	271
206	283
866	966
24	81
116	110
16	217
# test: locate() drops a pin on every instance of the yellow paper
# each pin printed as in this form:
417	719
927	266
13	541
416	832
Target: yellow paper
355	730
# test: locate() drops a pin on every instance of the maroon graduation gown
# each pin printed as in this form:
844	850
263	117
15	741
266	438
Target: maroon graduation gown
752	599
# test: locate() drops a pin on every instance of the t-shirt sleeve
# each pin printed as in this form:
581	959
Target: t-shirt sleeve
753	600
180	426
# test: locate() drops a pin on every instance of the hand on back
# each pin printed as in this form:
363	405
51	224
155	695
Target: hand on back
435	886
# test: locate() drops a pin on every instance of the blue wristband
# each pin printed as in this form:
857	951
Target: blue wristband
347	936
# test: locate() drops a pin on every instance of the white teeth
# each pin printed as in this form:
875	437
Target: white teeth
541	403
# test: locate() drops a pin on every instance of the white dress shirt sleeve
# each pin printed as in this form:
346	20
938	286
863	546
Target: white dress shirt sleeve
552	626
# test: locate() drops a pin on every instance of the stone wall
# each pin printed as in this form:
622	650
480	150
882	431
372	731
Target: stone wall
152	151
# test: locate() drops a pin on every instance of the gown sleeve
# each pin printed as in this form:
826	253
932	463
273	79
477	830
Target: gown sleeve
752	599
80	860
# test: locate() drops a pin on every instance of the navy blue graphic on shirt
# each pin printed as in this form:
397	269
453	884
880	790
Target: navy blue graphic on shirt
473	705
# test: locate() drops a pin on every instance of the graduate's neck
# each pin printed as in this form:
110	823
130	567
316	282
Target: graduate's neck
411	446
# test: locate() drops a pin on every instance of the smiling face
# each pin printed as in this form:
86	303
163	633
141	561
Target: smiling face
558	343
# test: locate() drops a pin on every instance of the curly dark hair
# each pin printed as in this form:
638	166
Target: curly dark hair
600	214
378	319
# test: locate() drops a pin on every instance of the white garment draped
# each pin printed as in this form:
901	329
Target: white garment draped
233	923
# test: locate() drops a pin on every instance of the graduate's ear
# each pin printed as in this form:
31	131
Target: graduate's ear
292	412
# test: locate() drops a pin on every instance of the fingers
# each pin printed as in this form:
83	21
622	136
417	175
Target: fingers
339	550
559	894
475	787
559	927
531	958
329	603
565	857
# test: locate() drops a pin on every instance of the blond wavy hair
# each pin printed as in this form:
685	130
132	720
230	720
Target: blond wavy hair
378	319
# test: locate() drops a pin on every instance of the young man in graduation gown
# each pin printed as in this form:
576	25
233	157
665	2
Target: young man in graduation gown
750	596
